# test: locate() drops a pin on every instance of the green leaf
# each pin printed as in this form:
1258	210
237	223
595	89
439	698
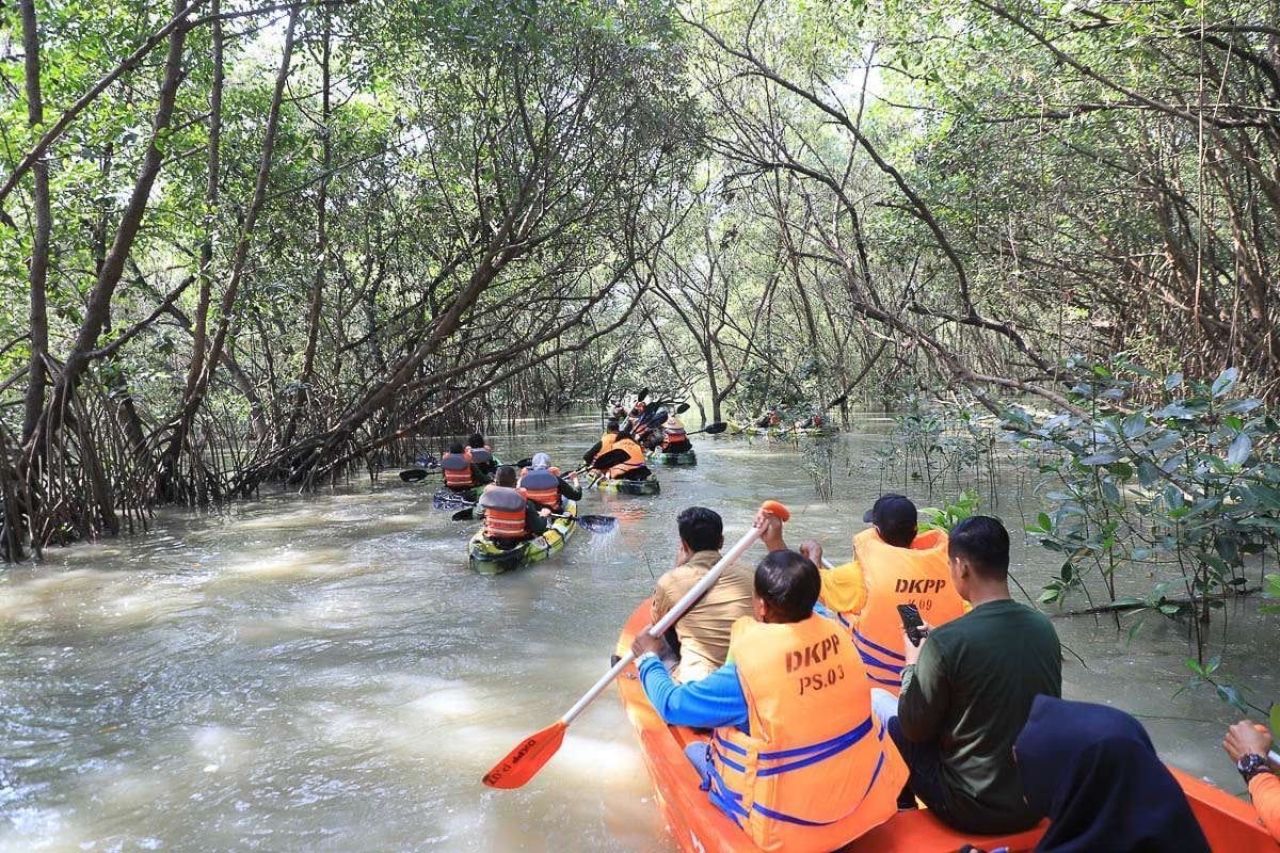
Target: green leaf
1275	721
1239	450
1226	380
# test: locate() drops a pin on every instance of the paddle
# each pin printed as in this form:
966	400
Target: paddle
644	392
413	475
589	523
714	429
605	461
531	754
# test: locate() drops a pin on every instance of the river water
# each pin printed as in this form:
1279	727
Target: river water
324	673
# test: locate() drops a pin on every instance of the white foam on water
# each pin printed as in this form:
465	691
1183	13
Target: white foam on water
219	748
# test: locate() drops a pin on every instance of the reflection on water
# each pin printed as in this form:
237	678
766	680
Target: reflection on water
324	673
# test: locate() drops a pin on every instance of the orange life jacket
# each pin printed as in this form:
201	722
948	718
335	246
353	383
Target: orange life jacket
606	442
504	513
674	433
542	486
479	455
817	769
457	471
917	575
635	458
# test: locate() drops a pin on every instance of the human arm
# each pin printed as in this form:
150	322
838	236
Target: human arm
478	476
716	700
1264	789
534	520
923	701
570	490
844	588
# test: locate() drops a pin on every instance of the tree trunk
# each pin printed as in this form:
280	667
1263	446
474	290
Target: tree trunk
38	271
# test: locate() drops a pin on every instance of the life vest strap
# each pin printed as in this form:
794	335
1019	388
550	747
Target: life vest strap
871	660
815	753
863	641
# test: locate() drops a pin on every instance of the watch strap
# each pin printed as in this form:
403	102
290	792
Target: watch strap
1251	765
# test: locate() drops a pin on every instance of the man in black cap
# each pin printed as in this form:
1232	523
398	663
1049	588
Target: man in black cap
893	564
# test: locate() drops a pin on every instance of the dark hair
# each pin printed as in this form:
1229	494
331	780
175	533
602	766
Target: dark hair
984	543
701	529
612	425
505	476
456	447
476	440
899	537
789	583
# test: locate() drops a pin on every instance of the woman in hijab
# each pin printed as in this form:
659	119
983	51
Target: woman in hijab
1093	771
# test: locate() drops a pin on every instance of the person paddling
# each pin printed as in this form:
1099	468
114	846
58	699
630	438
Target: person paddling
460	473
509	517
543	484
480	454
797	759
634	467
674	437
1249	746
894	564
605	444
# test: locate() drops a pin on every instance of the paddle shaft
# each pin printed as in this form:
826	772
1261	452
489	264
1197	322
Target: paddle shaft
690	598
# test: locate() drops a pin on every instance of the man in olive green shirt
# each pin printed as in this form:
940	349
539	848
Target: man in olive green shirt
701	637
967	690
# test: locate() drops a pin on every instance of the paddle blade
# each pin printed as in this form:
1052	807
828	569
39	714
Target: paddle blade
644	392
523	763
682	408
776	508
524	463
716	428
598	523
470	513
413	475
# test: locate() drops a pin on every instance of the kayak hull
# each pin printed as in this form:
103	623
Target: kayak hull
697	825
688	457
648	486
486	558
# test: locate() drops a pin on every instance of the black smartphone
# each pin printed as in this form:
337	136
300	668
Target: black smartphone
911	623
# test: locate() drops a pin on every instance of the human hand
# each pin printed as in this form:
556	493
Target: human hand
770	527
910	651
644	643
1246	738
545	512
813	550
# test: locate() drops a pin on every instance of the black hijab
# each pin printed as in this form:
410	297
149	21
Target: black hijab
1093	771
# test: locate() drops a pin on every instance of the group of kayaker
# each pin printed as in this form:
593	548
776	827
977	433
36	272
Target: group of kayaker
831	708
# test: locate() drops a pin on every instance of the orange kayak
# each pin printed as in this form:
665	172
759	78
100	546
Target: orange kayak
699	827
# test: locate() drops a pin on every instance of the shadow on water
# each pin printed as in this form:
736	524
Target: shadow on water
325	673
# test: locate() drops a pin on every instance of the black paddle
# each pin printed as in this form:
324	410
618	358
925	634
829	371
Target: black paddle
714	429
413	475
589	523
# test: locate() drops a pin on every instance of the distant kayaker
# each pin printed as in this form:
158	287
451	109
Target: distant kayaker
543	484
480	454
1093	771
967	691
770	418
674	437
509	517
799	761
634	467
700	639
1249	746
893	565
460	473
605	444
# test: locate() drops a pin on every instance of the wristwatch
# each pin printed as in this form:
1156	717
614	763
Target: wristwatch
1251	765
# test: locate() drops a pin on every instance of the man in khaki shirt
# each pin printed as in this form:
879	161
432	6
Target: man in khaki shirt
701	637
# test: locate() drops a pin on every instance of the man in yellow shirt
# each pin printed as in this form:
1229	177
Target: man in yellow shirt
701	637
893	564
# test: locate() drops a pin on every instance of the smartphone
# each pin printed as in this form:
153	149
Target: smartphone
911	623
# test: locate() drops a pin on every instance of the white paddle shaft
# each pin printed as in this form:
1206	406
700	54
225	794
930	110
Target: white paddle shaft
690	598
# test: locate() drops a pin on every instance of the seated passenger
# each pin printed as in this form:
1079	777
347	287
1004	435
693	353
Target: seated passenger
543	484
797	759
893	565
461	474
701	637
1093	771
480	454
967	691
510	518
771	418
605	444
634	468
674	437
1249	746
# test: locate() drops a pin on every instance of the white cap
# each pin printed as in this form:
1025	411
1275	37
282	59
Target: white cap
541	460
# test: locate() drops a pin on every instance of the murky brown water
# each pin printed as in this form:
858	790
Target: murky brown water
324	673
